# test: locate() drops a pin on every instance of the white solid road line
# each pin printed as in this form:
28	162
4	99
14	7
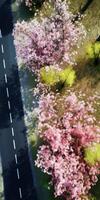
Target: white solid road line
2	48
7	92
16	160
6	78
10	117
20	193
12	130
14	144
18	174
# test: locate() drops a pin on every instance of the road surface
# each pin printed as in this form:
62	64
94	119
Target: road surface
17	173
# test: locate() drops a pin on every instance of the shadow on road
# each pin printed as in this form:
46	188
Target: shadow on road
6	19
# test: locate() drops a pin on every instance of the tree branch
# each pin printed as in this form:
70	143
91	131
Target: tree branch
82	10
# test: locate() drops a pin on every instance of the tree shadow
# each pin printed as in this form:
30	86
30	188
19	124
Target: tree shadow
15	92
6	18
89	70
95	191
25	12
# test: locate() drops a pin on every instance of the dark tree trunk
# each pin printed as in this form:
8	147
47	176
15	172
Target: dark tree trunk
82	10
98	39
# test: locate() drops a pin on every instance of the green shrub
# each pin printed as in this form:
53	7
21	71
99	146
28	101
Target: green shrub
51	76
32	138
93	50
68	76
92	154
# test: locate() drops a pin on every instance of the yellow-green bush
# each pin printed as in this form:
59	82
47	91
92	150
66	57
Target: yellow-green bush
93	50
51	76
32	138
92	154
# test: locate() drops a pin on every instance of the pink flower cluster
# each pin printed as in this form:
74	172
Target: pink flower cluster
49	40
65	137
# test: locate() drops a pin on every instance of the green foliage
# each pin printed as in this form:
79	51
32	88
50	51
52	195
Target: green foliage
93	50
68	76
51	76
93	198
32	137
92	154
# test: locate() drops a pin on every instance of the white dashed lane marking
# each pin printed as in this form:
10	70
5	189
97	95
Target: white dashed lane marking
9	105
14	144
4	63
12	130
7	92
16	160
18	174
10	117
20	193
6	78
0	34
2	49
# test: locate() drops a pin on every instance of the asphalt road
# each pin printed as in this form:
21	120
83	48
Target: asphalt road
17	173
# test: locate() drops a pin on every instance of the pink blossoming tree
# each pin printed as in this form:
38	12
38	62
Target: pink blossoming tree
48	41
66	135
